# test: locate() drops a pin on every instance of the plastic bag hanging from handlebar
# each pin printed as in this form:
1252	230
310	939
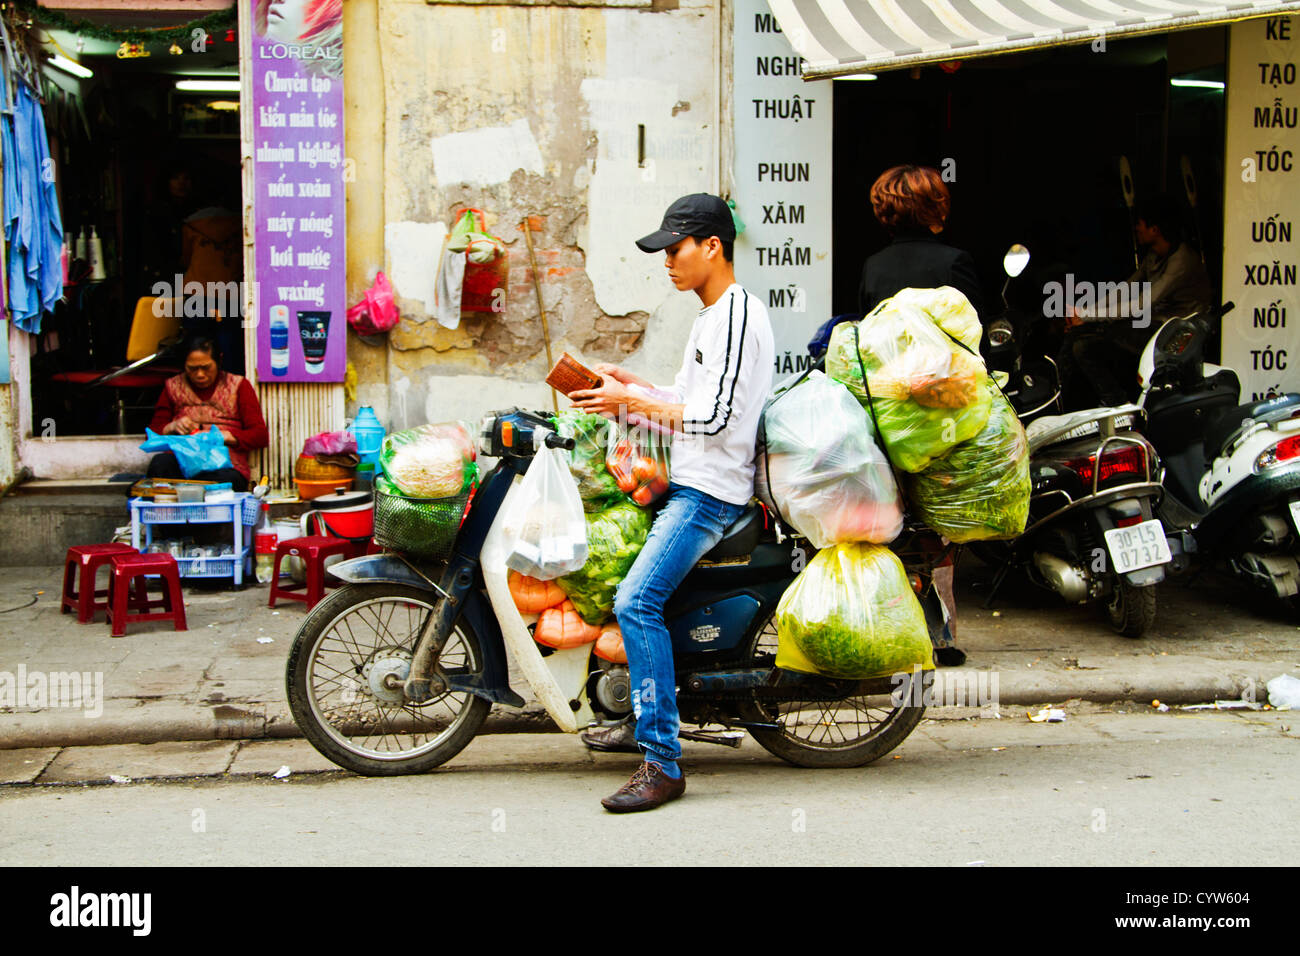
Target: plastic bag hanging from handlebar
545	532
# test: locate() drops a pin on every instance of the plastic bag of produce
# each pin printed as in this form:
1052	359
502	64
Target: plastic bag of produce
615	537
431	461
979	491
544	529
821	469
851	613
926	391
590	433
638	460
948	309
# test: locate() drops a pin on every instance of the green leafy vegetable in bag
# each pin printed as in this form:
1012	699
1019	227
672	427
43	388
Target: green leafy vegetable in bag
851	613
979	491
926	390
615	537
597	488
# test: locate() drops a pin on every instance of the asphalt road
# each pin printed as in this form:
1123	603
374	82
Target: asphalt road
1103	788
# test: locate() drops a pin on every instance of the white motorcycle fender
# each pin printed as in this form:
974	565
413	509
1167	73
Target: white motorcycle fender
555	679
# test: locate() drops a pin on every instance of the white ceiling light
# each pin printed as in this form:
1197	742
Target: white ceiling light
1205	84
69	66
208	86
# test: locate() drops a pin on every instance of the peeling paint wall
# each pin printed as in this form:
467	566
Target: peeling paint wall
528	111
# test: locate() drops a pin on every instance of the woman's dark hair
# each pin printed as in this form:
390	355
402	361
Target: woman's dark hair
202	343
910	199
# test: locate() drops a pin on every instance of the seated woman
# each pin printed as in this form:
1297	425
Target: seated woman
204	395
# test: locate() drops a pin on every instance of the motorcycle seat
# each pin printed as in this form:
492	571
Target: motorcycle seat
740	537
1224	428
1051	429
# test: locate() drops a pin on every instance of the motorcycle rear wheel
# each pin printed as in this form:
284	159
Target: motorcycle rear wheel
334	679
1131	609
852	731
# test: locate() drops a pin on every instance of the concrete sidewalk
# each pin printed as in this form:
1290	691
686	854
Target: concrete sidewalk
223	679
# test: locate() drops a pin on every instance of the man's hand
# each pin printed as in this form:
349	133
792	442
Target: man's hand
605	400
608	370
1072	318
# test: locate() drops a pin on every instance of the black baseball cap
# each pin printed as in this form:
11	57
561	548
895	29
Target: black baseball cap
698	214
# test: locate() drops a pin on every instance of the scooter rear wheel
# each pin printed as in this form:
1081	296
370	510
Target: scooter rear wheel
851	731
1131	609
347	655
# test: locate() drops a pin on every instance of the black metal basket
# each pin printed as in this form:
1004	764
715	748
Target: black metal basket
420	527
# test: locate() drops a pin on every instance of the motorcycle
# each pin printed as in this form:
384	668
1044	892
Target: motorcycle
1092	534
1232	478
396	672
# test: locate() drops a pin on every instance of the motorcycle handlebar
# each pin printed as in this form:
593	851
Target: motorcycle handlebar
553	440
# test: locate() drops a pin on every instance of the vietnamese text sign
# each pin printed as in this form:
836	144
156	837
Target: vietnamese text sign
1261	206
298	203
783	183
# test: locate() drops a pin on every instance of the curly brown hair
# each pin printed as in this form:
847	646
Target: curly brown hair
910	198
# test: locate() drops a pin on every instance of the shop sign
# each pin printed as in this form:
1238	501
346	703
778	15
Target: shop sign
298	203
1261	202
782	182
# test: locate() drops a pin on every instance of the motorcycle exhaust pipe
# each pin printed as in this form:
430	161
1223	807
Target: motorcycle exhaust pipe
1064	578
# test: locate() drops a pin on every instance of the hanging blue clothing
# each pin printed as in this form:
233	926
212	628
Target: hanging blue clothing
33	226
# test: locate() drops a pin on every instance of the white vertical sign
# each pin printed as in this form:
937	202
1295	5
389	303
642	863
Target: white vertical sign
1261	206
783	182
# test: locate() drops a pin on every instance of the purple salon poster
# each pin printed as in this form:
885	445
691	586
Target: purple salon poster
298	205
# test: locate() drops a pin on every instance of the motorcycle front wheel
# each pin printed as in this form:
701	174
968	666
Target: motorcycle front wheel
1131	609
841	728
351	650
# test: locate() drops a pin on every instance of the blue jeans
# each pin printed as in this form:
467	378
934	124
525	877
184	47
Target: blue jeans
688	524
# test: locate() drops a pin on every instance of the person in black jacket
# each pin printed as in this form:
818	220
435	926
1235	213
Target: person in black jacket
912	203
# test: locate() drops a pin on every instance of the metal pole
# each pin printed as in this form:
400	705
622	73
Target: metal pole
537	287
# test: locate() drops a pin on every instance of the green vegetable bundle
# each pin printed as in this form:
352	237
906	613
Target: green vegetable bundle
615	537
590	433
851	613
926	390
979	491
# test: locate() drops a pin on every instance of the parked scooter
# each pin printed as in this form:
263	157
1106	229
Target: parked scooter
1092	534
395	673
1232	479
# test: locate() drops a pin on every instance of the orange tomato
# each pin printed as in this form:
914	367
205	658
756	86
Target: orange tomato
643	496
644	469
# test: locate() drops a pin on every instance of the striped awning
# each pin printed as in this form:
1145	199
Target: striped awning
843	37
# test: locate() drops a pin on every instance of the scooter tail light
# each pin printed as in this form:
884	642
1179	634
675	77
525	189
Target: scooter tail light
1128	522
1123	460
1285	450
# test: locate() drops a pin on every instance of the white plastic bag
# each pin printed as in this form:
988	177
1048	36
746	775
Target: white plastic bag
545	530
822	469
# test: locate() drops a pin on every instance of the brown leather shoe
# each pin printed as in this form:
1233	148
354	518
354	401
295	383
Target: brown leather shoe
649	787
619	738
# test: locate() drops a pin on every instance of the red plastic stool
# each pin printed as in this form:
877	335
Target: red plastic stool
89	558
128	568
313	550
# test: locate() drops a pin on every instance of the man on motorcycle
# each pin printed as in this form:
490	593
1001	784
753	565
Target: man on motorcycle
714	408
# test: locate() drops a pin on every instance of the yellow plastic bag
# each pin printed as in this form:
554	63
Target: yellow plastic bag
851	613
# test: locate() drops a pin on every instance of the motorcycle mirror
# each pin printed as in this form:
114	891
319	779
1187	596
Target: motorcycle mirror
1014	262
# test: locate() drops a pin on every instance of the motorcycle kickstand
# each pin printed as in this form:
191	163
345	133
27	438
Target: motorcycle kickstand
997	583
728	738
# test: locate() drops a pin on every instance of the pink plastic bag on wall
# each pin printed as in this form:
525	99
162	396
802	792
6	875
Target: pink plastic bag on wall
377	310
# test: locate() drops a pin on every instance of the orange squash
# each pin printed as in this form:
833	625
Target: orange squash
531	595
609	646
562	627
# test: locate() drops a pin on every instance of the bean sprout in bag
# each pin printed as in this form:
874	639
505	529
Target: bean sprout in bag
821	469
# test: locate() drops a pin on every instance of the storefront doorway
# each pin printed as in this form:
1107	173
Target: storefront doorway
145	150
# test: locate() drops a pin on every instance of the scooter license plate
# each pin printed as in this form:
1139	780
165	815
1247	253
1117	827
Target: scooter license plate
1138	546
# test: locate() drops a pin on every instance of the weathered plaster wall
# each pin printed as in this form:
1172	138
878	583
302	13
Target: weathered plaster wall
529	111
